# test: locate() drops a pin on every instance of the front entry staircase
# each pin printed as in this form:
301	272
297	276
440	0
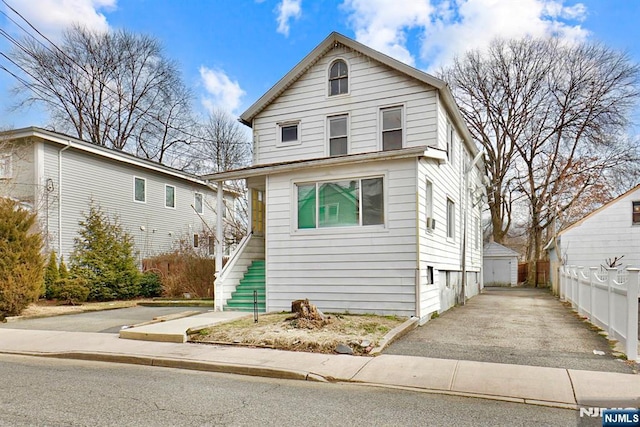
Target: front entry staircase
253	280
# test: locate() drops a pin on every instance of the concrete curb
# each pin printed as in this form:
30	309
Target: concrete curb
397	332
267	372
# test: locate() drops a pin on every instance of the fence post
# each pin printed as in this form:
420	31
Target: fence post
572	286
611	276
561	282
633	283
592	290
579	275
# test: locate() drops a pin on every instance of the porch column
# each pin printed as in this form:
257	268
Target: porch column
219	292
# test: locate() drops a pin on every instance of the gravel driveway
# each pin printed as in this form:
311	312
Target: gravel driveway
522	326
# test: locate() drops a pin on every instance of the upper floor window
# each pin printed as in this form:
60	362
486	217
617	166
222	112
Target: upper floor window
338	78
289	133
451	219
5	166
636	213
197	202
338	135
140	189
169	196
392	128
450	141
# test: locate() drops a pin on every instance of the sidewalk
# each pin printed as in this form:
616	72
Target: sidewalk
556	387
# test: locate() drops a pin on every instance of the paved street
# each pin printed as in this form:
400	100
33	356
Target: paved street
78	393
523	326
108	321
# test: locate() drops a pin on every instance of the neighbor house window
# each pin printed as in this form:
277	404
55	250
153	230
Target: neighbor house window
197	202
5	166
196	240
428	205
169	196
289	133
450	141
352	202
338	78
636	213
337	135
451	219
392	128
140	189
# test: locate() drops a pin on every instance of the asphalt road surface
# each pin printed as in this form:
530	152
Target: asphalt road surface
522	326
52	392
109	321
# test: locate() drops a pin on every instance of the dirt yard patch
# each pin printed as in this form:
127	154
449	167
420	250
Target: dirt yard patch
342	332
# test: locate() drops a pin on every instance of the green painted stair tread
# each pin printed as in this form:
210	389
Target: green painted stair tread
253	280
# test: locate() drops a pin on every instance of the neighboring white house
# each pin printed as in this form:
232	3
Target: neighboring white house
57	176
609	233
366	188
500	265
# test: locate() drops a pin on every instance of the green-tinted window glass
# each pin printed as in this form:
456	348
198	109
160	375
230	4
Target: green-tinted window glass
307	206
170	196
140	194
338	203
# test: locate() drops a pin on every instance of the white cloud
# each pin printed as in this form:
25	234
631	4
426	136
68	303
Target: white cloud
51	17
473	24
451	27
287	10
381	24
222	92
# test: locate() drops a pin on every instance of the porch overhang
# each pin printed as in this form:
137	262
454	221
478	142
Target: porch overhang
350	159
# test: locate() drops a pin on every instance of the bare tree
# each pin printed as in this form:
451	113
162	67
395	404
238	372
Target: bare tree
115	89
552	118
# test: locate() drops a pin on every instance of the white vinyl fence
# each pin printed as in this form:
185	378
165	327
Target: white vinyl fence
607	298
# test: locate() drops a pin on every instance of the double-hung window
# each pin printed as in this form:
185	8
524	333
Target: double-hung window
5	166
338	135
451	137
169	196
451	219
197	202
353	202
392	128
428	205
139	189
635	219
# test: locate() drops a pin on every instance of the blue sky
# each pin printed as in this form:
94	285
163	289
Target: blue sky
231	52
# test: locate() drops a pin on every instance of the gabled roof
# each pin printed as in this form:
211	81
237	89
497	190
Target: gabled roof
108	153
335	39
601	208
496	249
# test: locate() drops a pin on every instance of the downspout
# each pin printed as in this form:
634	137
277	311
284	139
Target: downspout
467	171
218	292
60	196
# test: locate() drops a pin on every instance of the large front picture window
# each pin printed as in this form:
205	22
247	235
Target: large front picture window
352	202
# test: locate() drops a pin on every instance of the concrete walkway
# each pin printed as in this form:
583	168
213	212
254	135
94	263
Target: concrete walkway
521	326
556	387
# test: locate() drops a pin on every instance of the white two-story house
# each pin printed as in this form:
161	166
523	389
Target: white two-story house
57	176
365	190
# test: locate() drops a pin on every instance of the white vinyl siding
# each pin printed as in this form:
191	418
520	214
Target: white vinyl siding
371	86
606	234
344	268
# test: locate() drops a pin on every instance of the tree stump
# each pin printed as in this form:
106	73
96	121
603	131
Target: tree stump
303	309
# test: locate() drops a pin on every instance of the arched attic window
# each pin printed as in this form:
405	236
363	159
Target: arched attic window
338	78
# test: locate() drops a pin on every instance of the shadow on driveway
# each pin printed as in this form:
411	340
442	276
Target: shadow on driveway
523	326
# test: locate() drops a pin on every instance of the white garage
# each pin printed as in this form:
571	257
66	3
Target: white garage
500	265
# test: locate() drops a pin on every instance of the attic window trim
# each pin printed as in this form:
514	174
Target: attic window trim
635	212
280	133
343	87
